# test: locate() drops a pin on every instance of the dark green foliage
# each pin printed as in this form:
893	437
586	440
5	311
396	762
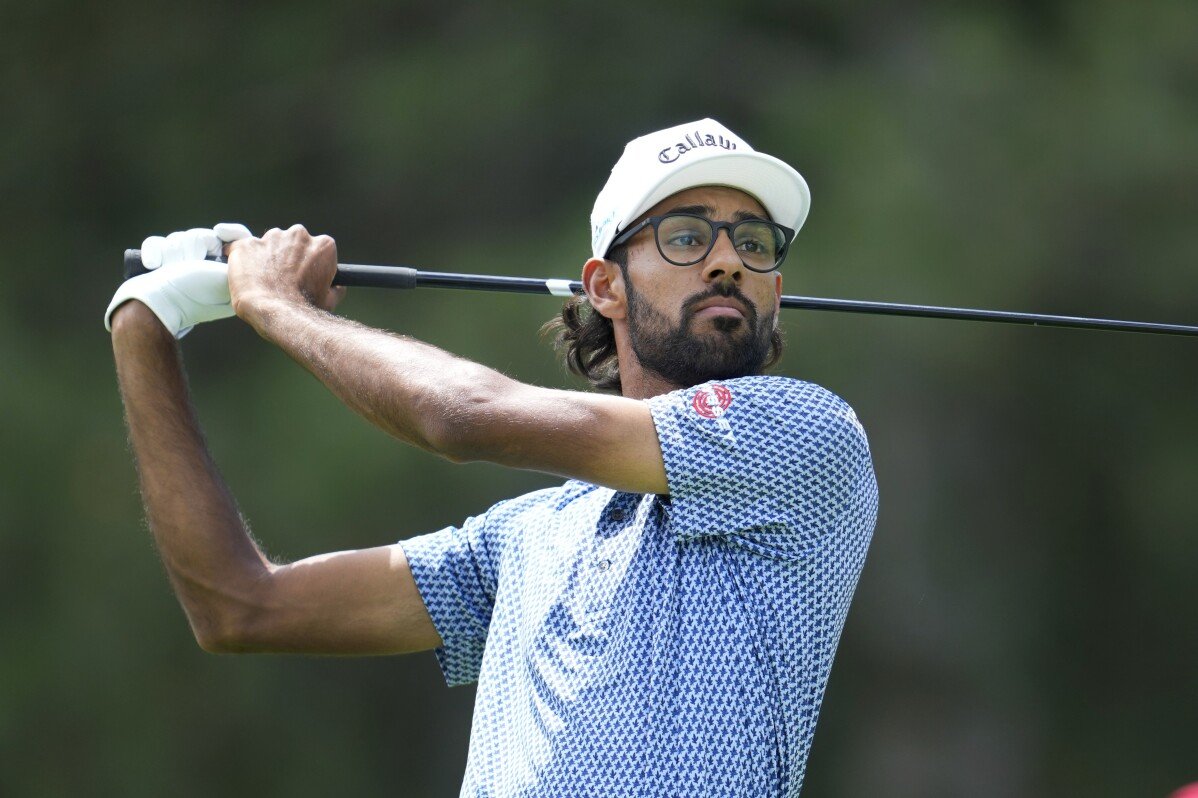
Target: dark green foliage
1026	622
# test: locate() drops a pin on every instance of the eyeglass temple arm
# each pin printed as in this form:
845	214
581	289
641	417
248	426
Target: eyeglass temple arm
629	233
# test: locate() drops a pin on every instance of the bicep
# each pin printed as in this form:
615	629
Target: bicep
601	439
349	602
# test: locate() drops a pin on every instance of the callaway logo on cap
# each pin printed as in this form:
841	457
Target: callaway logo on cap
703	153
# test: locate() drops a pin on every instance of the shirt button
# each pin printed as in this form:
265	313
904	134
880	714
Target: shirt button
604	565
617	514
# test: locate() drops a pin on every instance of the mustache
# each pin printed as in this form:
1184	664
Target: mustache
725	290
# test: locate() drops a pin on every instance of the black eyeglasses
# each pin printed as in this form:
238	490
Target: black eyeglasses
685	239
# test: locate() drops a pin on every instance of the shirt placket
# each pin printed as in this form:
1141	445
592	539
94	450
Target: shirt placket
611	551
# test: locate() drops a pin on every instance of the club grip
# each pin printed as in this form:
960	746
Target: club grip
133	264
354	274
348	274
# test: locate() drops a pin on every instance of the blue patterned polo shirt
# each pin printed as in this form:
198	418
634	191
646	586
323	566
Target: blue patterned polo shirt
644	645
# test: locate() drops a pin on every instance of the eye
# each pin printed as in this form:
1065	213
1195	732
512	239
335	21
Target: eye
756	240
684	238
684	232
754	245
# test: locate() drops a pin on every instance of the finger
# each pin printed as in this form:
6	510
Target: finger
232	231
185	245
174	248
151	251
203	243
195	242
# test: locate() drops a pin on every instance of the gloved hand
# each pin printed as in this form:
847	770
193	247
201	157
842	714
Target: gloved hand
182	289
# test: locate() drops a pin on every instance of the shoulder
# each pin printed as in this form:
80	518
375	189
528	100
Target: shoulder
760	388
782	400
786	391
806	415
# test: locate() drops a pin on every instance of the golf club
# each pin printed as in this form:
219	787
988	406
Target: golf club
350	274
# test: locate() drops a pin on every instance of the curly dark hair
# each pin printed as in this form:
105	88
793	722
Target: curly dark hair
586	339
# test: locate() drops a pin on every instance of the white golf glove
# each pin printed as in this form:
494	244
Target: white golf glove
182	289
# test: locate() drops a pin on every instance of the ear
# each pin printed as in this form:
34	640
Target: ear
777	293
604	283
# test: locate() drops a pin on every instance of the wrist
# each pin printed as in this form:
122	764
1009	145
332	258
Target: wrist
137	333
134	317
259	309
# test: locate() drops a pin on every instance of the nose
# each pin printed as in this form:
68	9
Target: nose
723	263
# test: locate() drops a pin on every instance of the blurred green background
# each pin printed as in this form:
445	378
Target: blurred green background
1027	622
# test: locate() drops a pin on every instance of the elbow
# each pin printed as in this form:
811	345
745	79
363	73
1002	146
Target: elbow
221	636
456	448
227	628
470	442
214	644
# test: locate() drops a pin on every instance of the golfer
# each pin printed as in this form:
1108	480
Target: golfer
661	624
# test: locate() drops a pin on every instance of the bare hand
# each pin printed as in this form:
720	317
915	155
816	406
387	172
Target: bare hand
289	266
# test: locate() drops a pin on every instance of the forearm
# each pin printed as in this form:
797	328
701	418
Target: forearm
282	285
412	390
212	562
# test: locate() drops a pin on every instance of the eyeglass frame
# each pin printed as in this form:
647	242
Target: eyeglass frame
787	236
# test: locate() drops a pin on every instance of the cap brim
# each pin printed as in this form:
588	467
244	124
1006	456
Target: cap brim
776	185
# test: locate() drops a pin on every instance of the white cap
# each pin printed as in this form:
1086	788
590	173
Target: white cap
703	153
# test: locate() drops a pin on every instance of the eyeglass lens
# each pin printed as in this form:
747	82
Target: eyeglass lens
685	239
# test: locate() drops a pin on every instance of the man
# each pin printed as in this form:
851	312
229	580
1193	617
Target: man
661	624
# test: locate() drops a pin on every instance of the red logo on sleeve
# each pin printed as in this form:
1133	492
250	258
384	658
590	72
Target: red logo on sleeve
712	401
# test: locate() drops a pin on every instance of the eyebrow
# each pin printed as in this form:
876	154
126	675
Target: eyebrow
708	211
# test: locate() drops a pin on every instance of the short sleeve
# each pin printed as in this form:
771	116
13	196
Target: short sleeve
456	571
773	461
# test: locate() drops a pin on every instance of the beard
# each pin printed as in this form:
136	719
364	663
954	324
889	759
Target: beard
734	348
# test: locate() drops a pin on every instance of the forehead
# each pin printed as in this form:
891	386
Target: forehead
724	202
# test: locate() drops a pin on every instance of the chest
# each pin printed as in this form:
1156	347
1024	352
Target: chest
576	566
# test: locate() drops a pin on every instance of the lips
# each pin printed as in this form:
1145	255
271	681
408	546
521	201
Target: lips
721	307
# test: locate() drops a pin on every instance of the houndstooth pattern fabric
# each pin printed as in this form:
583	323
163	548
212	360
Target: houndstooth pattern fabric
641	645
